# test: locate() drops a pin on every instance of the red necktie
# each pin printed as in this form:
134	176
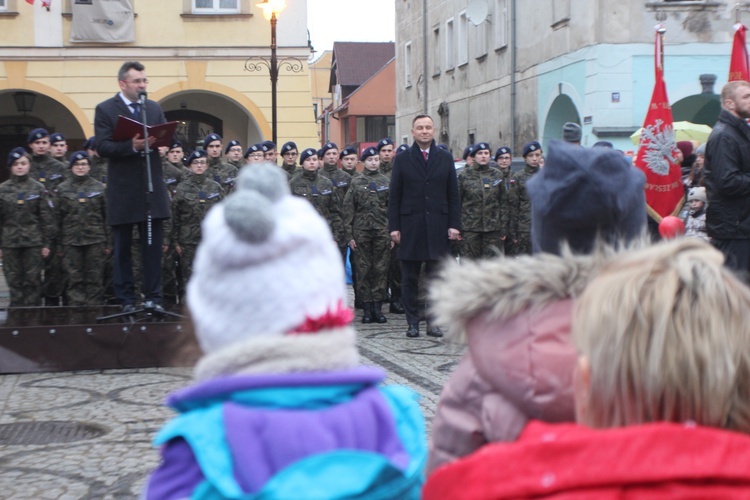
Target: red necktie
424	155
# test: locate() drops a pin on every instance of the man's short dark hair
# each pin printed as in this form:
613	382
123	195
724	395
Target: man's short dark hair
123	73
419	117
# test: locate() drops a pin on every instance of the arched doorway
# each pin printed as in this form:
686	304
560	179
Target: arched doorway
698	108
562	110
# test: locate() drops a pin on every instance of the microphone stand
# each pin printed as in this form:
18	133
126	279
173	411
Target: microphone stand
148	306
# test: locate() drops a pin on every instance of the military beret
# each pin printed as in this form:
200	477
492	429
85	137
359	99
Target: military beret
268	146
288	146
175	145
307	154
349	150
385	142
368	153
253	149
482	146
90	143
77	156
36	134
209	139
402	148
230	145
15	154
56	137
603	144
194	156
530	147
503	150
467	151
328	145
444	147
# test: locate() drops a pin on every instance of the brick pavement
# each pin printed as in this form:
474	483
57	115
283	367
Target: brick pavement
101	423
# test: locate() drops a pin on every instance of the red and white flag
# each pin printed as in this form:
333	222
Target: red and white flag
657	151
739	69
45	3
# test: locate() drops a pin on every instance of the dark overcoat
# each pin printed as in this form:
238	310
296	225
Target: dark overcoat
423	203
126	174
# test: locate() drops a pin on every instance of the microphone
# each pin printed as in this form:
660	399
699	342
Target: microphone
142	96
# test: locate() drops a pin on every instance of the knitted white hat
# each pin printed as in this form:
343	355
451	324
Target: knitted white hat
267	264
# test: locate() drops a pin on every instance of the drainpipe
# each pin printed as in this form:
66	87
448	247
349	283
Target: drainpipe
513	75
424	54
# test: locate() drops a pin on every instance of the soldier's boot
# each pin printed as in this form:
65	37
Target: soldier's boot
367	315
377	312
396	307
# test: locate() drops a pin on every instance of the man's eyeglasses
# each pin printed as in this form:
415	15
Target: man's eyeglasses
137	81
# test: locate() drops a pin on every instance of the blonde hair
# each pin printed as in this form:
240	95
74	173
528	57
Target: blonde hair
666	335
729	91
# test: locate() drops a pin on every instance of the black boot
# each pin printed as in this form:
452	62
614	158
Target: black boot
396	307
367	315
377	312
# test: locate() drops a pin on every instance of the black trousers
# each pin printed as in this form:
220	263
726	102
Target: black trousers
410	272
736	256
123	280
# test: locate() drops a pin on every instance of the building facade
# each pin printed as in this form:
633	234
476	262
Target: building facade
198	54
511	71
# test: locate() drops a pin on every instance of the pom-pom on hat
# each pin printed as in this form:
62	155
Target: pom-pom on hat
402	148
671	227
288	146
230	145
267	266
368	153
15	154
503	150
56	137
697	193
482	146
209	139
349	150
36	134
385	142
531	147
584	194
198	153
77	156
307	154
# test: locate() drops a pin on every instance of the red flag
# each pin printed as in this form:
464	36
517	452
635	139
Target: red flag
657	151
30	2
738	64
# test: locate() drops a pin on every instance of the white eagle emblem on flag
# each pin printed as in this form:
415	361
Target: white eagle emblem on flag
660	147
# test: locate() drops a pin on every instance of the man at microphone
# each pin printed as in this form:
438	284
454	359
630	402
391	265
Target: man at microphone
129	202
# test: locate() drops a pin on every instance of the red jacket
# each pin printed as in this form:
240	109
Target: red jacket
566	461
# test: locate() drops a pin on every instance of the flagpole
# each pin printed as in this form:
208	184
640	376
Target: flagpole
662	31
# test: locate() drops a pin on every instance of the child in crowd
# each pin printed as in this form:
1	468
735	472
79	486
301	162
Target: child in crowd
662	392
282	407
695	222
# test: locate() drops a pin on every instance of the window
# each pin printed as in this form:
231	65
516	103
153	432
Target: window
449	62
407	64
481	40
215	6
3	5
435	51
374	128
501	23
463	39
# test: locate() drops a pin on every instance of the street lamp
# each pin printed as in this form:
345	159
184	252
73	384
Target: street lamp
271	10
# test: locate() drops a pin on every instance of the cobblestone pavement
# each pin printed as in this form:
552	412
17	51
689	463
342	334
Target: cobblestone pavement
101	423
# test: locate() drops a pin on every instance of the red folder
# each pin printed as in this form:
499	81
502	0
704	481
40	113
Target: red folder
127	128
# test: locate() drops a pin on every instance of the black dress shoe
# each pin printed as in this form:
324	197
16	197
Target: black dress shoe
434	331
413	331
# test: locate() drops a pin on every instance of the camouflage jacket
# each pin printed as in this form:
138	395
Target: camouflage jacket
194	197
222	173
48	171
318	190
481	190
26	214
366	204
81	212
519	202
386	168
289	169
172	176
98	169
339	179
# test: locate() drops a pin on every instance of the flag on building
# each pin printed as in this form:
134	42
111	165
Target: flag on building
657	150
739	69
45	3
112	21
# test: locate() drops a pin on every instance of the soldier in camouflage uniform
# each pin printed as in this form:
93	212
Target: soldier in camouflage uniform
58	147
171	285
270	154
386	153
366	224
340	180
51	173
27	229
349	160
176	158
195	196
519	202
504	158
481	190
254	154
84	234
220	172
318	190
386	156
289	154
233	154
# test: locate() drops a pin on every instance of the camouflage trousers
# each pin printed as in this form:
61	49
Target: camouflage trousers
84	267
477	244
23	272
171	285
523	247
372	258
186	262
53	284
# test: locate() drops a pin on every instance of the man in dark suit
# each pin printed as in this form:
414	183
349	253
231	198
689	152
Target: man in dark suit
128	199
424	213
